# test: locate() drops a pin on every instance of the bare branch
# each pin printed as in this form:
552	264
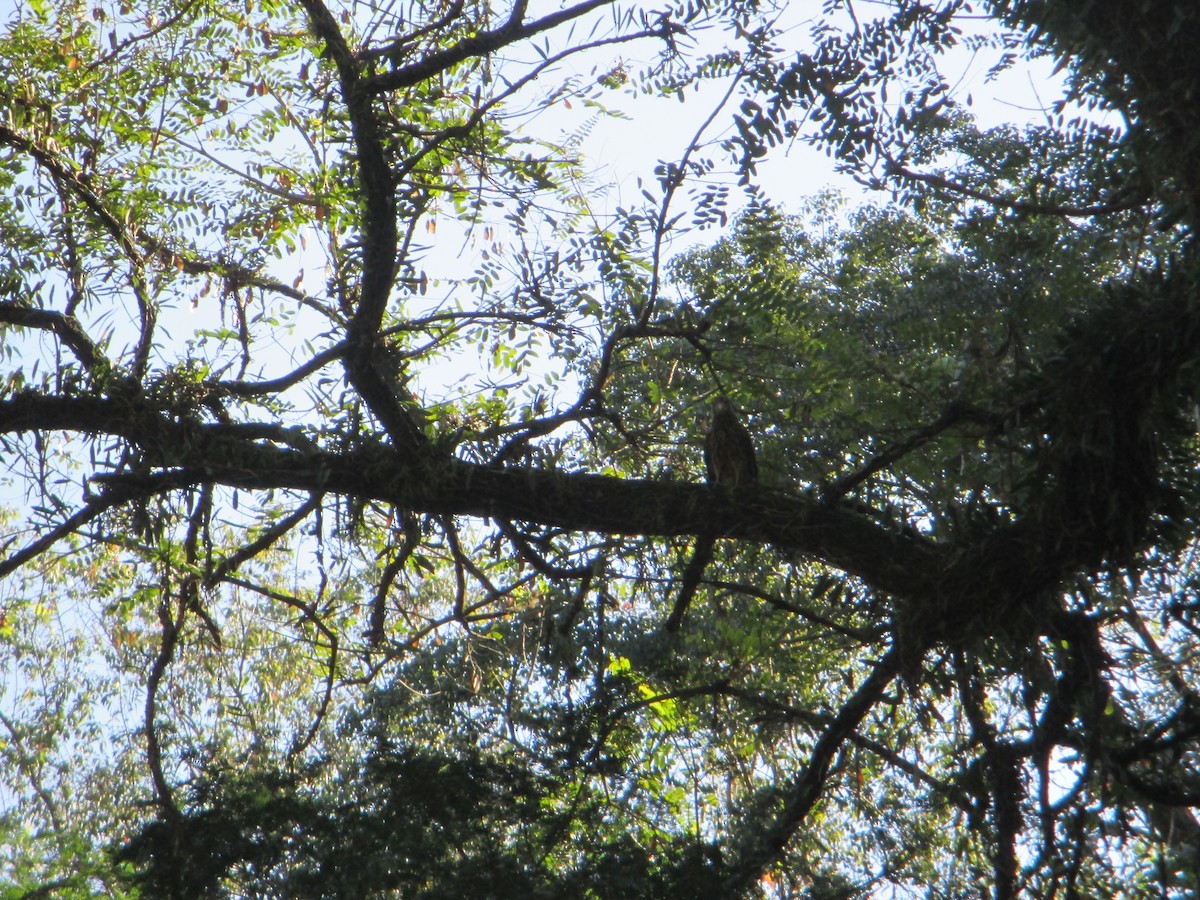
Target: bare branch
234	561
481	44
412	536
65	327
862	635
112	496
275	385
954	414
535	559
311	615
171	622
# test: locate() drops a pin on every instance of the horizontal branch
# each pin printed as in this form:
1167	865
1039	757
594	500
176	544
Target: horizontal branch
971	581
188	453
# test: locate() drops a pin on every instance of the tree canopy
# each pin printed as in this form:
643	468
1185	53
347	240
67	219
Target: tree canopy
356	541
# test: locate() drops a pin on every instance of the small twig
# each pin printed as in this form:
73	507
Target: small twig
536	560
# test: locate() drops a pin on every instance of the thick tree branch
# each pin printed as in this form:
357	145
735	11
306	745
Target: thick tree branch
1096	506
758	850
380	238
184	453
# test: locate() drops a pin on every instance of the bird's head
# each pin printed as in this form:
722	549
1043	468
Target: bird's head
721	406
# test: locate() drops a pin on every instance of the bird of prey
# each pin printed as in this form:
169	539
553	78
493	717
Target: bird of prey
728	449
729	460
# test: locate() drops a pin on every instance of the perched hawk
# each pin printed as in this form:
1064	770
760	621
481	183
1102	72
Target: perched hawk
728	449
729	458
